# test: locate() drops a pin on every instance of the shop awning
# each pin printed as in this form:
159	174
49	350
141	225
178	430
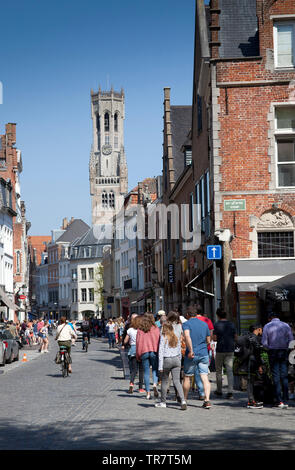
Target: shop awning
200	276
255	273
6	300
279	290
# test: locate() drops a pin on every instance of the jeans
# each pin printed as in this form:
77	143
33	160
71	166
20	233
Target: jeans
224	359
150	359
199	383
173	365
278	360
135	366
111	337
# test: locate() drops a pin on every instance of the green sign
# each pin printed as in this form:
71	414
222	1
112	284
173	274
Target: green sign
235	205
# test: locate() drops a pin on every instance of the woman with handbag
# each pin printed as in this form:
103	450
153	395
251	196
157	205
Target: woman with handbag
134	364
147	346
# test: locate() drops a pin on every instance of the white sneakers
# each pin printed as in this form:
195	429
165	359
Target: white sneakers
160	405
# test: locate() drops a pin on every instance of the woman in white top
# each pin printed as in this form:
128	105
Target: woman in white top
134	365
45	342
64	335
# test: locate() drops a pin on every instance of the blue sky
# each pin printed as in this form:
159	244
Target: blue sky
52	54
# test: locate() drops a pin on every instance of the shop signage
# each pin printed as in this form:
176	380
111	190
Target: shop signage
171	274
235	205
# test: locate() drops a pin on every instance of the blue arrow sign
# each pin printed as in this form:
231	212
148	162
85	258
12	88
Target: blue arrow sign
214	252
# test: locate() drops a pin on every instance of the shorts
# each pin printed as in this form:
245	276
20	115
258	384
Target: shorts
198	363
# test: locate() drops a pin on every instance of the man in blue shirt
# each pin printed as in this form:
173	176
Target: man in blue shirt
276	337
197	337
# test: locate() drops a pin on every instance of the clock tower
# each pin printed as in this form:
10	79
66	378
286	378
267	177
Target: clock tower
107	166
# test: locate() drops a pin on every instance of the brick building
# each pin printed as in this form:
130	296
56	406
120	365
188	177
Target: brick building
244	86
10	170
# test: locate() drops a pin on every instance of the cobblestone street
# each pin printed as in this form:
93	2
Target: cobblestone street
91	410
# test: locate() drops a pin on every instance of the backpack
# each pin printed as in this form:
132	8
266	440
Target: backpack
85	326
243	348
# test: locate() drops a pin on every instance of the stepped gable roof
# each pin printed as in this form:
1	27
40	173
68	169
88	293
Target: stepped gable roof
181	123
75	230
238	33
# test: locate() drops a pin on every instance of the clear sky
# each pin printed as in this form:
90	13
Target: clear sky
53	53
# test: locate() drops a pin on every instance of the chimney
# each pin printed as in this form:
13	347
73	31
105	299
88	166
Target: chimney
64	223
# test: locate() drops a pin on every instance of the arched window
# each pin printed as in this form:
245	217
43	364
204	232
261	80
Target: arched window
116	122
112	200
98	122
104	198
106	122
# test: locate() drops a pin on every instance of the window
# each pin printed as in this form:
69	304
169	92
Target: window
116	122
74	274
104	199
91	273
112	200
116	141
18	261
107	139
188	156
91	295
98	122
285	145
74	295
83	274
107	122
284	44
275	244
84	295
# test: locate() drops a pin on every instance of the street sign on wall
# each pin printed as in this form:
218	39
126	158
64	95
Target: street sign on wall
214	252
235	205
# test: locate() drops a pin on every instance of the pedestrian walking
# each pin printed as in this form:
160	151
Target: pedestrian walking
197	337
225	335
45	341
276	337
197	377
161	318
170	362
147	346
134	364
111	329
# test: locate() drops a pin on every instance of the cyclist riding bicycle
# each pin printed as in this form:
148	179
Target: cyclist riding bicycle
85	328
64	335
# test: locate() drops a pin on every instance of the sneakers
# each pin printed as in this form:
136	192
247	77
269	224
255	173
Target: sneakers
201	397
183	405
253	405
206	405
141	390
160	405
281	405
156	393
148	396
130	388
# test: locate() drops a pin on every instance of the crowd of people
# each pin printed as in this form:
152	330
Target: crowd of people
188	348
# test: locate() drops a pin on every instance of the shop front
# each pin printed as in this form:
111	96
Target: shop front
260	289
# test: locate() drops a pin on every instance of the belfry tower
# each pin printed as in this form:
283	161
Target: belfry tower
107	167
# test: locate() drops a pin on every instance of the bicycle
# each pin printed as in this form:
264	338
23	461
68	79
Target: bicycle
64	357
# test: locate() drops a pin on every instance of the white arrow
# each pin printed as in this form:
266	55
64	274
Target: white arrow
214	251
